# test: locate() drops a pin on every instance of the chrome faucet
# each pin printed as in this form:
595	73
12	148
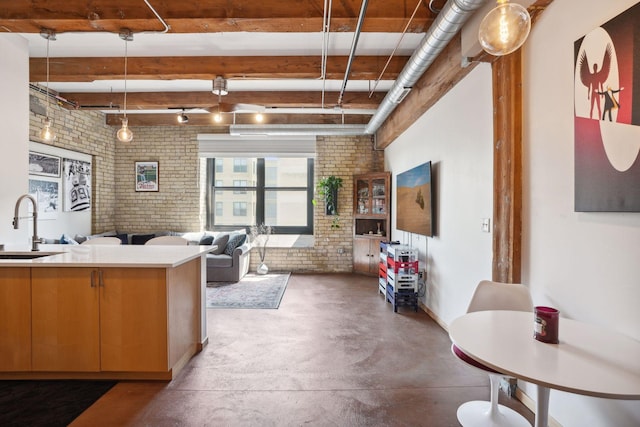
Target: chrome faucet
34	240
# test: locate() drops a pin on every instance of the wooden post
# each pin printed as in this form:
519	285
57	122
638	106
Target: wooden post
507	168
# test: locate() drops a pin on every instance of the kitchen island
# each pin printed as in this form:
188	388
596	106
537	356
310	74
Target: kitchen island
101	312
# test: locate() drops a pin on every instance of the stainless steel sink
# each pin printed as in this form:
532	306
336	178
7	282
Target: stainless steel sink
26	255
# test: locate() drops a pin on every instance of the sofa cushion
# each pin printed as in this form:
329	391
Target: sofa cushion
219	260
141	239
206	240
234	241
221	243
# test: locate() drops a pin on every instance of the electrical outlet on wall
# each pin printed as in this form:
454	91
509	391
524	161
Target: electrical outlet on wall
486	225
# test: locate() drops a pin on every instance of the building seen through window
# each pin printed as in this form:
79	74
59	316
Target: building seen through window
274	191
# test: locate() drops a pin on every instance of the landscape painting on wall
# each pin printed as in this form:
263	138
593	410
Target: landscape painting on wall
414	207
607	116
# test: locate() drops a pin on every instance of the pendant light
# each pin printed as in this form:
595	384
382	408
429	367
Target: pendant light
220	89
505	28
47	134
124	133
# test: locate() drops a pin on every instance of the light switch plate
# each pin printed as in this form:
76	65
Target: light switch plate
486	225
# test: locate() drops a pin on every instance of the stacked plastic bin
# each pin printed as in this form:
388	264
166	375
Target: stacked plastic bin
402	276
382	270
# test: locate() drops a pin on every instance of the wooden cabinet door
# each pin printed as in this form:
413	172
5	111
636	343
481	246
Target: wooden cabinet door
15	319
361	258
133	320
65	322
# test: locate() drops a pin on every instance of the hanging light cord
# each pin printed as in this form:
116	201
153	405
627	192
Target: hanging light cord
375	85
126	43
48	100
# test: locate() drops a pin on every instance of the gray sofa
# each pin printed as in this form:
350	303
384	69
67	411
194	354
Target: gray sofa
228	263
229	268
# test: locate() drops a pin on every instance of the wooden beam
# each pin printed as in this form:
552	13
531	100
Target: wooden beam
507	168
445	72
208	67
163	100
240	119
207	17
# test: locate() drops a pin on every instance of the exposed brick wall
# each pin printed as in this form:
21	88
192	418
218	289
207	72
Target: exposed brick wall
179	205
176	206
85	132
342	156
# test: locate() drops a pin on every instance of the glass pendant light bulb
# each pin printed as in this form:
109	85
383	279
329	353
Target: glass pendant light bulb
124	133
504	29
47	133
217	117
259	117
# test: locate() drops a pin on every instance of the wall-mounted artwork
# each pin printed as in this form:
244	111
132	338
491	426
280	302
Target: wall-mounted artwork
146	176
414	204
607	116
47	195
44	164
76	185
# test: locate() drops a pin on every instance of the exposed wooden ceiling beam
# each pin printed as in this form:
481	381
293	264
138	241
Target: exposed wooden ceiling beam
208	67
206	17
162	100
241	119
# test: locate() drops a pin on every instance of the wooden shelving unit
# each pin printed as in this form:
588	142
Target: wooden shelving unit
371	219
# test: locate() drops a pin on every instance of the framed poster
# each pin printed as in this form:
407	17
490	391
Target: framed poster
47	195
76	185
607	116
146	176
44	164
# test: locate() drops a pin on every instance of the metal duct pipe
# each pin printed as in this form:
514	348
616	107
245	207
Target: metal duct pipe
354	45
272	130
450	20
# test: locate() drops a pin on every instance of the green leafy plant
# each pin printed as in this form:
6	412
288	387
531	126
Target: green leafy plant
328	187
335	222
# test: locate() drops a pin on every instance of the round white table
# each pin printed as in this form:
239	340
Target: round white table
589	360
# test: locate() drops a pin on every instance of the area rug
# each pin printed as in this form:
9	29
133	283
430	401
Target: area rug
47	403
253	291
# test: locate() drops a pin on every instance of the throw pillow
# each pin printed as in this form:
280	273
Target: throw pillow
141	239
221	243
234	242
123	238
206	240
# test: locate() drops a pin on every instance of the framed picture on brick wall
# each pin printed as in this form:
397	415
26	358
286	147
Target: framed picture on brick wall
147	176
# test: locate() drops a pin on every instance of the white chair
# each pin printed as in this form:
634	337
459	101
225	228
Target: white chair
168	240
493	296
102	241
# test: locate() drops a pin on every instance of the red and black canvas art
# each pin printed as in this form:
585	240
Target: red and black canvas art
607	116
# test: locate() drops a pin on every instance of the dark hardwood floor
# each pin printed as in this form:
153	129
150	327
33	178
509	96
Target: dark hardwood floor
333	354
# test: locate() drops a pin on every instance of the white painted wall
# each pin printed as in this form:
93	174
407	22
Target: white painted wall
14	143
586	264
54	225
456	136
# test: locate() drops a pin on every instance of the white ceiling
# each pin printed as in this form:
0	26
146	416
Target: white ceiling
219	44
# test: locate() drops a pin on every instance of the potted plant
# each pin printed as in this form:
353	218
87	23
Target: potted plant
328	188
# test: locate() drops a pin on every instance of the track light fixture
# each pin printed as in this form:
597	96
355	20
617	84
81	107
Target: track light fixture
124	133
47	133
505	28
183	118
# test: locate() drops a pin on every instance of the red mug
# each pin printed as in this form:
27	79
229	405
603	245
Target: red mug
546	324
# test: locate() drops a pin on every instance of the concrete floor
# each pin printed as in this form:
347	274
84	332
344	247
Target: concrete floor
333	354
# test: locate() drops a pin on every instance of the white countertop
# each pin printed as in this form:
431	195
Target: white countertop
139	256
